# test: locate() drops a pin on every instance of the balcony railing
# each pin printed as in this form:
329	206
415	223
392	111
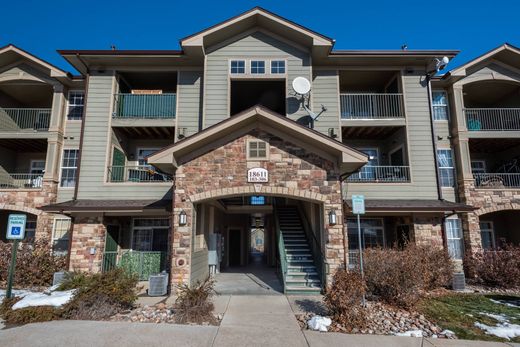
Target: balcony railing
371	106
20	181
492	119
497	180
381	174
16	119
145	105
138	174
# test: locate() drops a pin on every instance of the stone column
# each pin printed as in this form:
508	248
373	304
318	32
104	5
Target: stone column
181	240
427	231
88	232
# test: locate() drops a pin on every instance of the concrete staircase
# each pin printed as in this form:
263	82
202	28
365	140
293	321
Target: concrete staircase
302	276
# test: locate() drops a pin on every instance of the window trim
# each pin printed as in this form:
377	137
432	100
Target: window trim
53	235
251	67
492	231
31	168
277	73
452	168
150	228
484	166
238	73
446	105
69	104
248	147
459	239
138	149
68	167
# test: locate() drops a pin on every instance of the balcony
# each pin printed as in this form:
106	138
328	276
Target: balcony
371	106
497	180
492	119
144	106
136	174
381	174
24	119
20	181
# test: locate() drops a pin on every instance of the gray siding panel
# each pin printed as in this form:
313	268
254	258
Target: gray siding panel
199	266
325	92
189	101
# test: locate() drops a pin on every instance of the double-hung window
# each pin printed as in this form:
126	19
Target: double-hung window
440	105
277	67
372	235
454	238
446	168
76	104
69	166
487	235
238	67
257	67
60	235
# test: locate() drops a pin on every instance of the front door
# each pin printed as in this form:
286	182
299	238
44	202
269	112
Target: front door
111	242
234	247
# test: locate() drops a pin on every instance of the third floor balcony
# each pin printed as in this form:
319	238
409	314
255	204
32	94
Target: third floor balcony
148	106
492	119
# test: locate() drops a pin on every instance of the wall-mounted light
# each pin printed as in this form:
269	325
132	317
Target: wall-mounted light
183	218
332	217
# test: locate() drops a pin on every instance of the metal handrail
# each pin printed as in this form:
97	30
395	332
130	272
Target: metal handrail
137	174
17	119
498	119
20	181
319	257
371	105
281	250
144	105
497	180
381	174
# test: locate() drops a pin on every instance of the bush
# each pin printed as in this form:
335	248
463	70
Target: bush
193	304
35	264
26	315
498	268
344	300
100	295
401	277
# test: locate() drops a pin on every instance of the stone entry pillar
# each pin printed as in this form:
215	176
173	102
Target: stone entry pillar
88	232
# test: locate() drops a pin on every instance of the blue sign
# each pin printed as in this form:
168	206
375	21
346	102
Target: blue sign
358	204
16	227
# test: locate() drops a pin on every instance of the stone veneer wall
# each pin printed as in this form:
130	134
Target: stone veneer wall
293	172
427	231
88	232
29	201
486	200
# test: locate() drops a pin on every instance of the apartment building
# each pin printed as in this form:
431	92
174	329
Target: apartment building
206	159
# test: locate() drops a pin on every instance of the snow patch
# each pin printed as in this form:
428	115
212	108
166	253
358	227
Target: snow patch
16	292
447	332
55	299
498	317
319	323
504	330
509	303
411	333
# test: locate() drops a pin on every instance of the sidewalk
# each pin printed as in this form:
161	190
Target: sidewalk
248	321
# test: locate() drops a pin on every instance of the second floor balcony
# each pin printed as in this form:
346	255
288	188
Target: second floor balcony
497	180
24	119
370	106
381	174
492	119
136	174
15	181
145	106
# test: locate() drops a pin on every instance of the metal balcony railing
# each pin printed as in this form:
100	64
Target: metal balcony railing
497	180
17	119
145	105
20	181
138	174
381	174
371	106
492	119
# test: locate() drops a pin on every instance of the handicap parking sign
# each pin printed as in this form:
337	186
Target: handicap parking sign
16	227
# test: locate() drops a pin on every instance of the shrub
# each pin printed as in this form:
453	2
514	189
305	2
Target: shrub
399	277
498	268
99	295
35	264
344	300
193	304
26	315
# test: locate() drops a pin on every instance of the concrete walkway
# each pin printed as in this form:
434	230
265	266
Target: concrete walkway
248	321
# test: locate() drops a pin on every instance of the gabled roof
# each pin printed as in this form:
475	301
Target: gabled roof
259	117
507	52
10	53
256	17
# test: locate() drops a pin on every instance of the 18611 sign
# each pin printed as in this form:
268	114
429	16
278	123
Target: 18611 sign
257	175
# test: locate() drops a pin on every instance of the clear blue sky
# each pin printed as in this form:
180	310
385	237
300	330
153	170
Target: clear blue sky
366	24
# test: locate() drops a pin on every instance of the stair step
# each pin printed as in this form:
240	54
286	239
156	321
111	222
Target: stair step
295	240
301	268
301	256
307	282
292	261
296	290
299	274
293	235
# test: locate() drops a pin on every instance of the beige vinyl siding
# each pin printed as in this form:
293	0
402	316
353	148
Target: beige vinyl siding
325	92
255	45
189	101
199	266
92	181
492	71
420	151
72	132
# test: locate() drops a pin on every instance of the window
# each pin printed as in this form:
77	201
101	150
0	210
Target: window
238	66
257	150
440	105
446	168
30	230
37	170
370	170
60	236
487	234
76	104
69	165
372	235
478	166
278	66
150	234
142	153
454	238
257	66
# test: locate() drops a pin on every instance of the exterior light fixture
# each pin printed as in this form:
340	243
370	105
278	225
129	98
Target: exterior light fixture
183	218
332	217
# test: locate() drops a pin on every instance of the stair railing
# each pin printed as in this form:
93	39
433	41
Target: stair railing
281	250
317	254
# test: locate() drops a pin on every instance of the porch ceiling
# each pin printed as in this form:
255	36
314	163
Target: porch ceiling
492	145
148	133
25	145
367	132
87	205
412	205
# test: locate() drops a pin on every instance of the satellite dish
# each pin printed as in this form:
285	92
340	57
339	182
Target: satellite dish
301	85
